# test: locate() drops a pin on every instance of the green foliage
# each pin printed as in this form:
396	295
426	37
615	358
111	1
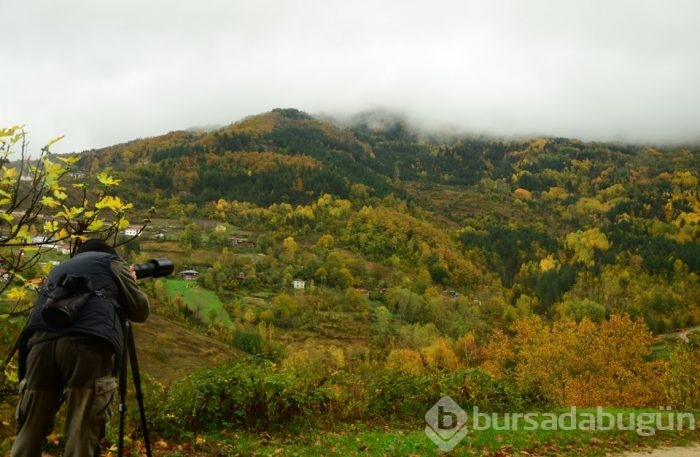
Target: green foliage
584	309
257	395
680	378
248	395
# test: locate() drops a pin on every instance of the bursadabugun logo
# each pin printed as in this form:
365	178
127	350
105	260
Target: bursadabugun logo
447	421
447	424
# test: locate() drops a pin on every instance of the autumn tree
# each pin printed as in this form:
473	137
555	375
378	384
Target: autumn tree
584	245
191	236
44	204
406	361
583	364
680	378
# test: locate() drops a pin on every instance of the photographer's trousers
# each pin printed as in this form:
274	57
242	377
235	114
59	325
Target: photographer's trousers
74	370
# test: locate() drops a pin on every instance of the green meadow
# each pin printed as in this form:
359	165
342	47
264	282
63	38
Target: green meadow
203	303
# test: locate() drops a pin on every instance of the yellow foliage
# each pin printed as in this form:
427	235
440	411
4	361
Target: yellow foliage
583	364
255	125
466	348
555	193
680	377
35	188
522	194
112	202
50	202
685	179
584	245
406	361
499	354
548	263
439	356
314	361
107	180
538	144
16	293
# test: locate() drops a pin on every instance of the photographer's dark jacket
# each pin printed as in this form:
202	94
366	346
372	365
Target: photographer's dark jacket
116	297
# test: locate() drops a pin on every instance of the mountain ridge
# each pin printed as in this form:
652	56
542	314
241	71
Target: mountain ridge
548	216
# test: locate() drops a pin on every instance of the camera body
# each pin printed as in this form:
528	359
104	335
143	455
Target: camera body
154	268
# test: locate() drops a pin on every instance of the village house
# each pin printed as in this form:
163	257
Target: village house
63	248
190	275
132	231
238	241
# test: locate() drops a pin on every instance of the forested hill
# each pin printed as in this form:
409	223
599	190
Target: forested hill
281	156
560	225
288	156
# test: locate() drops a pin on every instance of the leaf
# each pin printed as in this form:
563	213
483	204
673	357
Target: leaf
71	213
114	203
50	202
107	180
16	293
50	226
123	223
59	194
54	141
68	160
95	225
53	170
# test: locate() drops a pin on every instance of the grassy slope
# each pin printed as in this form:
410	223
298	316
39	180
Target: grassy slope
167	351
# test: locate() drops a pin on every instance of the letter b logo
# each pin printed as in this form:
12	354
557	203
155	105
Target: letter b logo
446	424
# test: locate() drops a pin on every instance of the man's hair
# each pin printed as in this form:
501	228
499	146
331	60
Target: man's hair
96	245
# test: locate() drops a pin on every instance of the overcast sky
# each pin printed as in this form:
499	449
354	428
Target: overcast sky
105	72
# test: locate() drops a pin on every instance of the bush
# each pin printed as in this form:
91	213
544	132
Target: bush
257	395
247	395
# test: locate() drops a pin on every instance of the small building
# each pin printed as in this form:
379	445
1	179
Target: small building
189	275
34	283
45	240
238	241
63	248
132	231
299	284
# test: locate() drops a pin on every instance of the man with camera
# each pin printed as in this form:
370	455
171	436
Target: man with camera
70	351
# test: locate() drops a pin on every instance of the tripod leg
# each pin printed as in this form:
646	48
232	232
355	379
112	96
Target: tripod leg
139	394
122	389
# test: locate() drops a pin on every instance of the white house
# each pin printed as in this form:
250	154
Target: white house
299	284
190	275
63	248
132	231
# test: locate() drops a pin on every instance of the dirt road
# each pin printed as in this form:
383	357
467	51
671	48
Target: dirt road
692	451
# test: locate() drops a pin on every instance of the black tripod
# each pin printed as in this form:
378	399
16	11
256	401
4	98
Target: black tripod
130	353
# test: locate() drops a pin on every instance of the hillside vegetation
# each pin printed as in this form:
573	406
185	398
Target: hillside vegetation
509	274
544	225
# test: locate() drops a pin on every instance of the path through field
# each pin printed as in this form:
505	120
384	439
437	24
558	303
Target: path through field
692	451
